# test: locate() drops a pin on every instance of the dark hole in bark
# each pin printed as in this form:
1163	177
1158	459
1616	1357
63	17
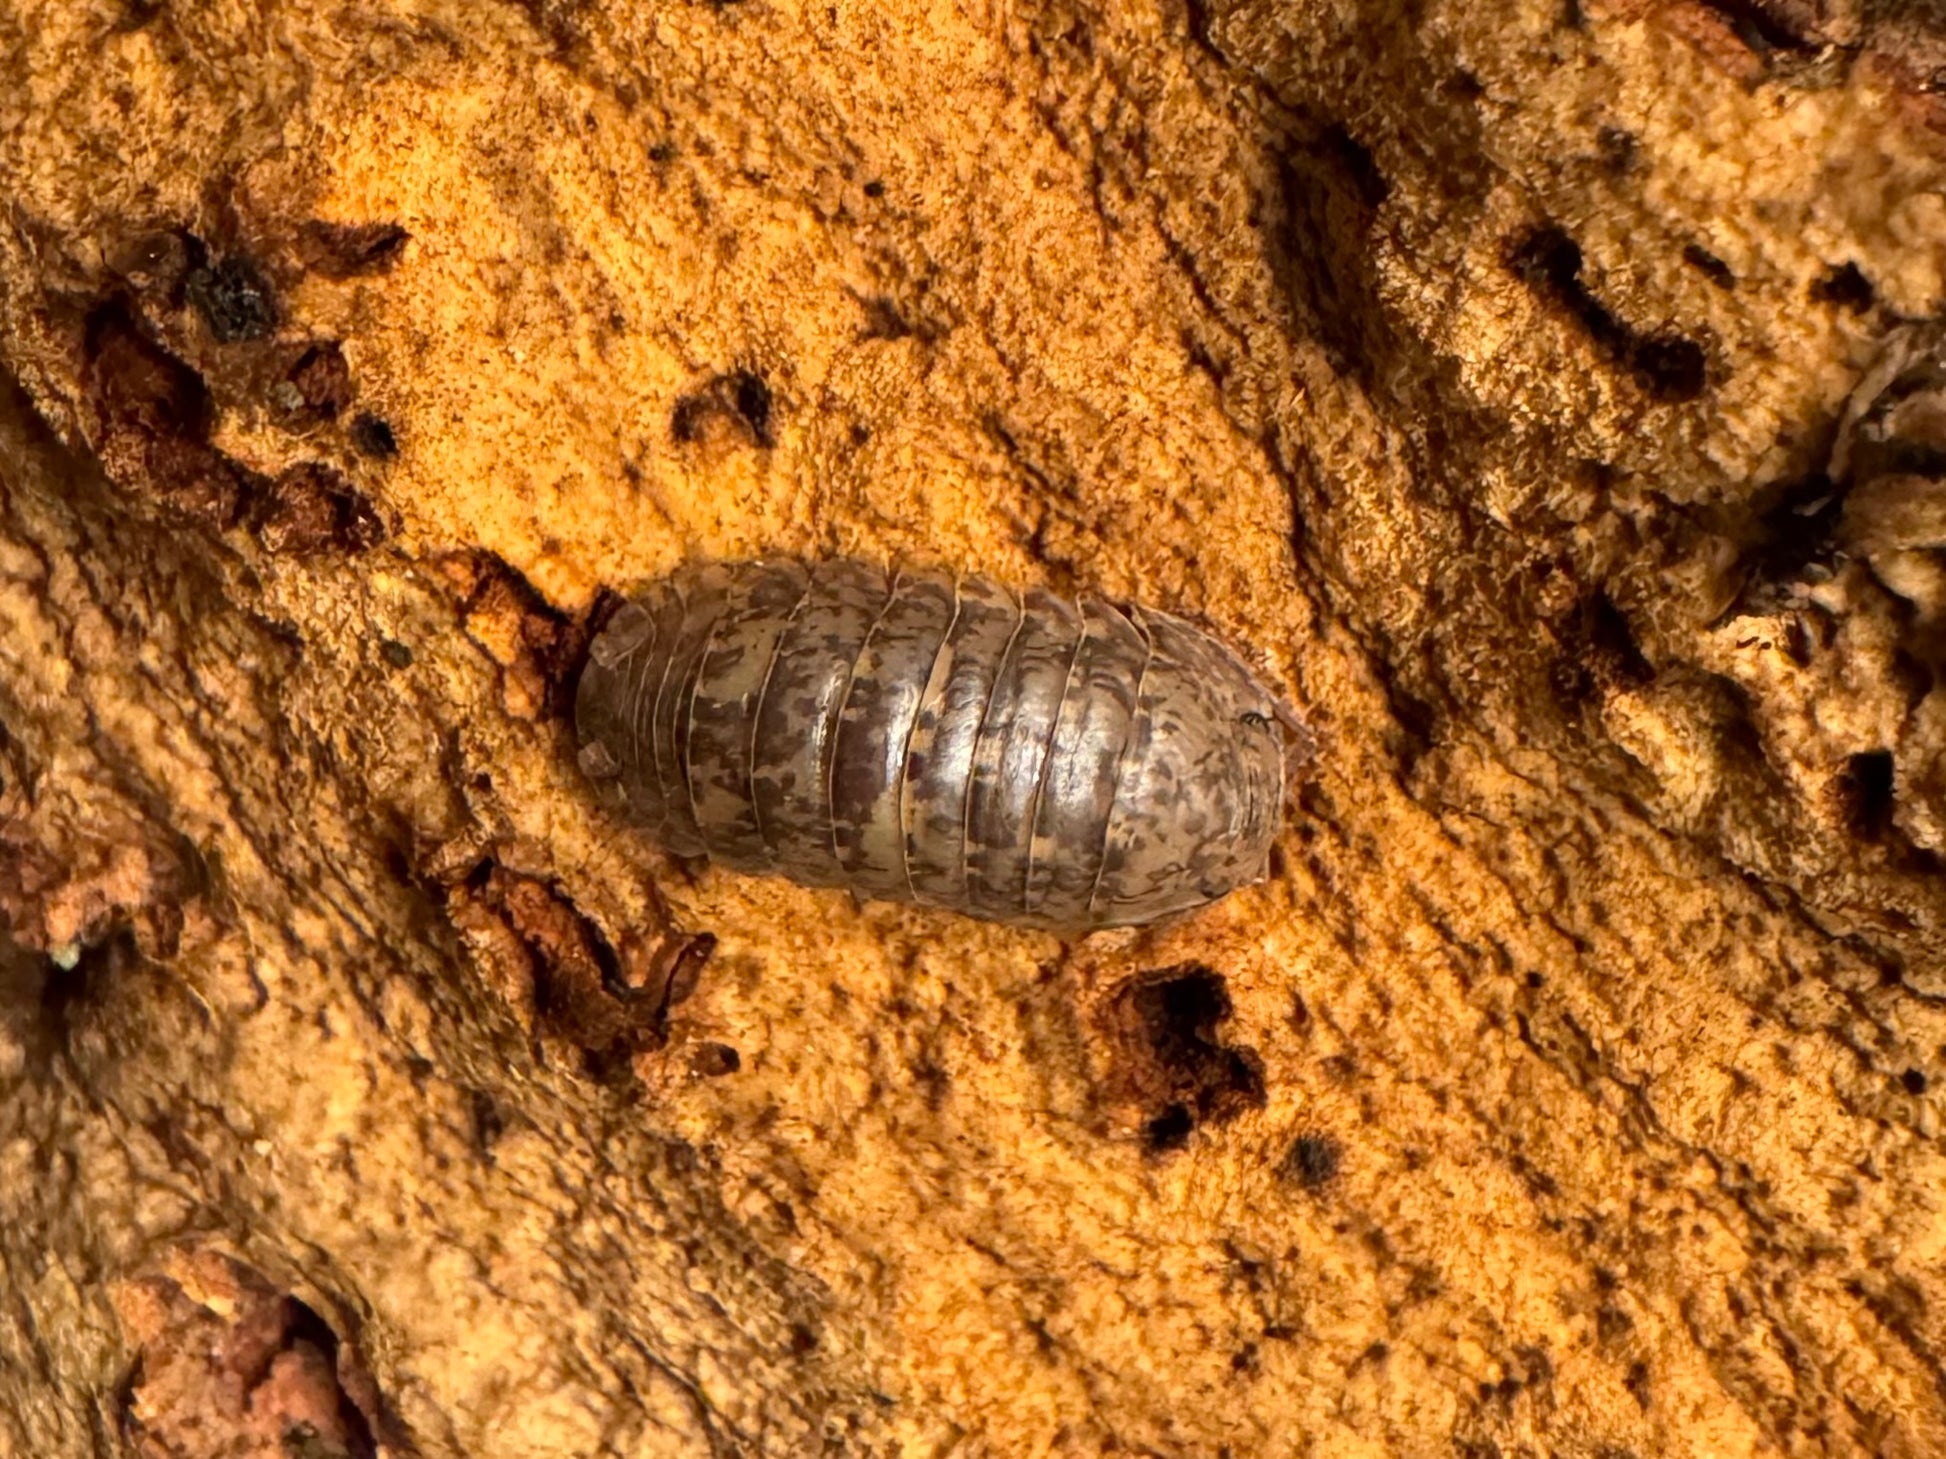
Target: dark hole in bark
307	1327
138	13
1617	147
1331	190
1868	787
753	404
1764	32
1671	367
883	319
1612	639
371	436
1796	530
740	396
1417	720
1168	1130
1354	162
1173	1062
489	1123
75	984
1845	287
713	1061
1797	642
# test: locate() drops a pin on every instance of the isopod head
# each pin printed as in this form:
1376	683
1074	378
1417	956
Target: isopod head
1201	798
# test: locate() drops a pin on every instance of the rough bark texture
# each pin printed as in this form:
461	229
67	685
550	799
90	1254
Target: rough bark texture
1573	1089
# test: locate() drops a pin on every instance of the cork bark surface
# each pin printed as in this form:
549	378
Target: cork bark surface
1572	1088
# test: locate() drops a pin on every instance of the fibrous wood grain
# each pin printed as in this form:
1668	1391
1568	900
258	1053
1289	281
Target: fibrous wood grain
1571	1088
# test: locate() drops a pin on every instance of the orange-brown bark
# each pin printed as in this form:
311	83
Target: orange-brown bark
1573	1086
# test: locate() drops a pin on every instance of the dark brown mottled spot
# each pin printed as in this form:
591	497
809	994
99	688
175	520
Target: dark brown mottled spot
234	298
1312	1161
312	507
883	319
152	418
321	380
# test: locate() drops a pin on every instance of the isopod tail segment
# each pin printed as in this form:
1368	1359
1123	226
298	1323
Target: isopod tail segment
938	739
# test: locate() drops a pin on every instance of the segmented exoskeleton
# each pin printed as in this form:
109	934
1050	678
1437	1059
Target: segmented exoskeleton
939	740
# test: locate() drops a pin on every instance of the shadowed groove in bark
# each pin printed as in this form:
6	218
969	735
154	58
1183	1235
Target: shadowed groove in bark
1670	368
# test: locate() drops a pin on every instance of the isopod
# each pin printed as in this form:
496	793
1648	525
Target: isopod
932	739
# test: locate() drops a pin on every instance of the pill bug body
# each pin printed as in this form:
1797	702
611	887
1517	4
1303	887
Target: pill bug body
946	741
